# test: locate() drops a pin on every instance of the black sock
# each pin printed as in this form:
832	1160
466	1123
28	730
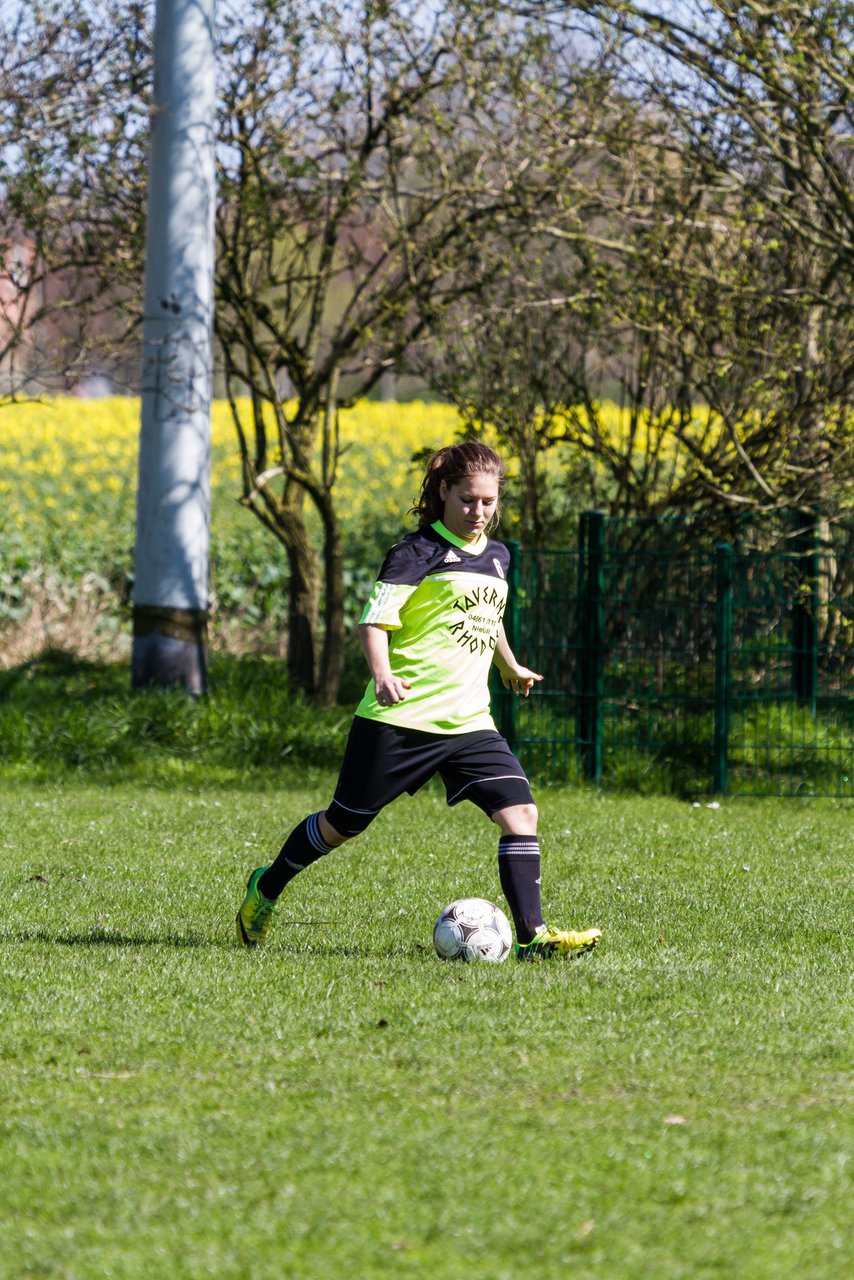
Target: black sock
303	846
519	872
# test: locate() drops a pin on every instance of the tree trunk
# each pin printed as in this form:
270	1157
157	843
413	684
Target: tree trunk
332	664
811	443
302	626
282	514
303	593
531	515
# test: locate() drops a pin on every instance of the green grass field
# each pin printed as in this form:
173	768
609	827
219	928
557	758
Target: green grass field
343	1104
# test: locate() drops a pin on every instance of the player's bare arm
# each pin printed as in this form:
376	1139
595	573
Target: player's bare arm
388	687
513	675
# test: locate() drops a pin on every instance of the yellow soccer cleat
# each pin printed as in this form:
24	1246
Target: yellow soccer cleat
549	943
255	914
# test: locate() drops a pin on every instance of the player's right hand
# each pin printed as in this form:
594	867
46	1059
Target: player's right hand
390	690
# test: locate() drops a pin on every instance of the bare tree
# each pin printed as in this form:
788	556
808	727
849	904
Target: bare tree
763	96
360	156
72	119
362	159
707	272
659	212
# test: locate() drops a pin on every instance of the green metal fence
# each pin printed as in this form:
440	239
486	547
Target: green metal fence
685	656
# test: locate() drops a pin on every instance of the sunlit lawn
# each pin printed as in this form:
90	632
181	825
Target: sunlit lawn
343	1104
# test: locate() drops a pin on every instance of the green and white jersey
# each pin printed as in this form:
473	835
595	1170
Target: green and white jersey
441	600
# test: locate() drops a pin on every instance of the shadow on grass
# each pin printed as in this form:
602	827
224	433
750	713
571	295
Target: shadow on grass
283	946
321	943
97	938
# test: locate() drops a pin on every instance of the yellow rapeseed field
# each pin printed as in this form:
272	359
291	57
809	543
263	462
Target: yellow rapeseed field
68	478
68	475
66	463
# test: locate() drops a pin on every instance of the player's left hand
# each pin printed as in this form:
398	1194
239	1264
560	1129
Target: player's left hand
520	680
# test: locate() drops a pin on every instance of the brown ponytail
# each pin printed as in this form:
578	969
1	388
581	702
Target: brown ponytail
453	464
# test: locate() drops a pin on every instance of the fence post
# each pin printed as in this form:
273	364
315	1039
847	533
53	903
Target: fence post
591	538
506	698
805	615
723	640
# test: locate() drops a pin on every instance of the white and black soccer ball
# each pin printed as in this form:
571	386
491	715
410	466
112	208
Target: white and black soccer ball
472	929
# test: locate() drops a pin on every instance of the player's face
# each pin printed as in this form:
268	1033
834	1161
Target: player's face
469	504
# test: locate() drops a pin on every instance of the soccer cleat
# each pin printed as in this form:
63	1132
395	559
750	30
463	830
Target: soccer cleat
256	911
557	942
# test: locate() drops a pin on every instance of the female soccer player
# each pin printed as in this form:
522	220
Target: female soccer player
430	631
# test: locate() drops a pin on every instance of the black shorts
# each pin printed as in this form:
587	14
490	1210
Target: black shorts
381	761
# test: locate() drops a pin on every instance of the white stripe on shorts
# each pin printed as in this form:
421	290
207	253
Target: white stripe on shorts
495	778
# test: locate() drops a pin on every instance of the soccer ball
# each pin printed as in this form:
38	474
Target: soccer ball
472	929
